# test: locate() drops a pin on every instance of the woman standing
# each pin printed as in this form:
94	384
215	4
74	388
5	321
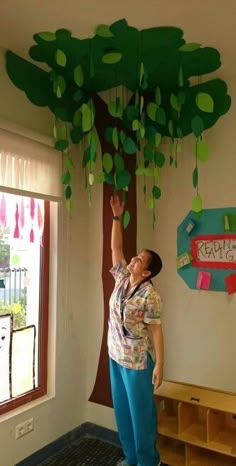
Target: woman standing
135	346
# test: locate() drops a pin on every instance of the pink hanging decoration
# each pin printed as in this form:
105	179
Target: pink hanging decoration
40	221
22	214
16	231
3	214
32	208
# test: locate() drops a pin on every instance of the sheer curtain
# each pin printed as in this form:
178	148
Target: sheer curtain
28	167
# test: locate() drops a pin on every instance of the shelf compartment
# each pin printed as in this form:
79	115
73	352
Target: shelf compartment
196	456
172	451
193	423
167	416
222	432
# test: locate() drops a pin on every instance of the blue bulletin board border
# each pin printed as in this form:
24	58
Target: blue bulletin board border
208	222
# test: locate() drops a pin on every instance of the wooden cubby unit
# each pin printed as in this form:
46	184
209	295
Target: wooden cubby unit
196	426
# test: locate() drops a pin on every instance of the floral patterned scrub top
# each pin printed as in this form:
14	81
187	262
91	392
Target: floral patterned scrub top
129	338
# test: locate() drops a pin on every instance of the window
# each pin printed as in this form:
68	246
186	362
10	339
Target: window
27	184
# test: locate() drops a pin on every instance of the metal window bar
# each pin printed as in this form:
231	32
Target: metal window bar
13	276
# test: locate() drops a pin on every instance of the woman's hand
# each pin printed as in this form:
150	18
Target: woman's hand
157	376
117	206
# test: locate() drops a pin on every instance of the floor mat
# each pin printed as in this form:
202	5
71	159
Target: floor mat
86	451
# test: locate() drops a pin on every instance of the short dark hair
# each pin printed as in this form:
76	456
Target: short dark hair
155	264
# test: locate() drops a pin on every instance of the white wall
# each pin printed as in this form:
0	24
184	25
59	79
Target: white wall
199	326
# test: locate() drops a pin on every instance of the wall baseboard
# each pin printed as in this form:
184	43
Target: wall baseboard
84	429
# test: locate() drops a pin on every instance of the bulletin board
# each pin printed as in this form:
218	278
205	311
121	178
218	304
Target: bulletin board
206	250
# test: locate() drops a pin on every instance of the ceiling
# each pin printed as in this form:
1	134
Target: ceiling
210	22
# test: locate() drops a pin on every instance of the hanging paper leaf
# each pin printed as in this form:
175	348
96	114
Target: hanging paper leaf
107	162
68	162
68	205
140	171
156	192
158	96
126	219
60	86
151	110
205	102
159	159
112	58
181	77
141	73
77	119
174	102
102	30
202	151
195	177
79	76
151	203
178	148
170	128
189	47
141	104
115	108
197	203
91	179
123	180
46	36
61	132
129	146
68	192
136	125
148	153
142	132
66	178
115	138
119	162
63	34
181	97
179	133
161	116
122	137
61	145
156	174
87	117
158	138
149	171
78	95
119	27
100	178
60	58
197	124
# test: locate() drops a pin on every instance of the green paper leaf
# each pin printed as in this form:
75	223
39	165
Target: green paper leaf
136	125
158	96
205	102
148	171
112	58
123	179
151	110
76	134
66	178
181	97
119	162
68	204
108	135
156	192
79	76
171	128
78	95
151	203
115	108
197	125
77	118
174	102
107	162
159	159
47	36
161	116
142	132
141	104
61	132
158	138
68	192
115	138
140	171
100	178
148	153
131	113
60	58
179	133
189	47
102	30
109	178
122	137
202	151
197	203
61	145
63	34
87	117
119	27
68	162
129	146
141	73
126	219
195	177
181	77
91	179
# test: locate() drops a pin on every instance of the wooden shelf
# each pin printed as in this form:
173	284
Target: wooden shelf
196	427
172	451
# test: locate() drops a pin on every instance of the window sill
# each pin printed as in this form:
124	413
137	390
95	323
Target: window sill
26	407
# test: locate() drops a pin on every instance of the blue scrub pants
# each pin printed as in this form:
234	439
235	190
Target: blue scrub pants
135	412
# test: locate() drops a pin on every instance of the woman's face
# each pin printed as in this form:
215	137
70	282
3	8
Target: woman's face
138	265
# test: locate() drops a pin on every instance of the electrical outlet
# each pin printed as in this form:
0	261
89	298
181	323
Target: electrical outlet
24	428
